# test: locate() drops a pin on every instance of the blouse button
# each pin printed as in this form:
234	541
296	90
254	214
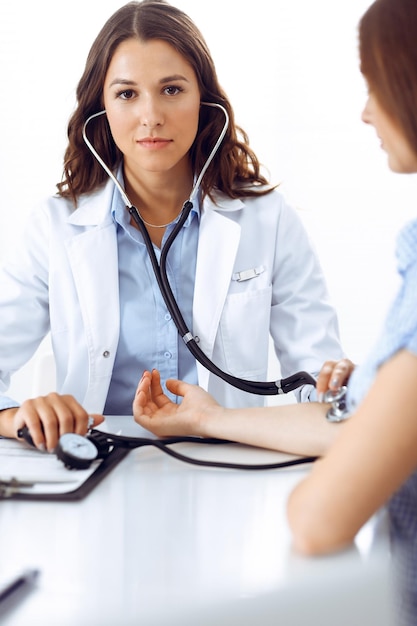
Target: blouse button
106	354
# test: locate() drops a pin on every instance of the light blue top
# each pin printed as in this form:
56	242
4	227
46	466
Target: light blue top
399	332
400	329
148	336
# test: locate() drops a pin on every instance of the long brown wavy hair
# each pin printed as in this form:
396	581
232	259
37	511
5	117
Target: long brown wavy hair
388	57
235	170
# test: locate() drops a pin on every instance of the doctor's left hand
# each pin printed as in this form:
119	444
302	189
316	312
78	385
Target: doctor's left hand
333	375
48	417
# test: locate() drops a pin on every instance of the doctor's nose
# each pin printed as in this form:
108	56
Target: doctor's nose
150	114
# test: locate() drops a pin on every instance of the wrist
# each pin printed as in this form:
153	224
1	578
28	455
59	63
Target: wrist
211	420
7	427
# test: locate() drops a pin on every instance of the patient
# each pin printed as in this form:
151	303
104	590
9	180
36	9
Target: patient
370	460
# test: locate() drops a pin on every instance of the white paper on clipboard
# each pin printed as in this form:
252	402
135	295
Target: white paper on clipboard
44	471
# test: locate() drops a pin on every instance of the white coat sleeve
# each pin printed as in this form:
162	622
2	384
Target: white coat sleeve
24	308
304	325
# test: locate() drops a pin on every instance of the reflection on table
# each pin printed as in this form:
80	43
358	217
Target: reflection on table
160	542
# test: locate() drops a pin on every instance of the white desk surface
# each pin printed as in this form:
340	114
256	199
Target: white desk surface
160	541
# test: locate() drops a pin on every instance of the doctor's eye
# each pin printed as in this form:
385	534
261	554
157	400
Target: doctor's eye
172	90
126	94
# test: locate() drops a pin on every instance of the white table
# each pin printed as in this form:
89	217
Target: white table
162	542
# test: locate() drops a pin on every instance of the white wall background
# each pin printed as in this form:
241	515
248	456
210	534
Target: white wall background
296	89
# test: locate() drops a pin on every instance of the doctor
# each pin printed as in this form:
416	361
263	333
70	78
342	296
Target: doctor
242	267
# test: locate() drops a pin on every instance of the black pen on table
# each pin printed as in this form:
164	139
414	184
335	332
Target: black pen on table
25	577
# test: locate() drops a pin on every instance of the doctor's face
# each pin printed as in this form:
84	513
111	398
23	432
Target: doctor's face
401	157
152	100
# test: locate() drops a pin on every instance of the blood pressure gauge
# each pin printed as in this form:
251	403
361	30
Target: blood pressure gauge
76	451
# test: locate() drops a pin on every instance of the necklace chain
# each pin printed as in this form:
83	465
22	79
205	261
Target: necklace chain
157	225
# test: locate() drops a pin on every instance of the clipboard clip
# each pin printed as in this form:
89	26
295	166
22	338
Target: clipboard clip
13	485
10	486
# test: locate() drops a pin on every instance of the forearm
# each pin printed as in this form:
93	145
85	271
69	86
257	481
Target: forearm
293	428
7	428
329	506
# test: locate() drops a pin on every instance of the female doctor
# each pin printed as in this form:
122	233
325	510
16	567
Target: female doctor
150	110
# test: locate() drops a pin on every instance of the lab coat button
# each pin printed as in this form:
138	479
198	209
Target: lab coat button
167	317
106	354
167	355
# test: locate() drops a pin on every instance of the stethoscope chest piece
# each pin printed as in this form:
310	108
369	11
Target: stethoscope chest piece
338	410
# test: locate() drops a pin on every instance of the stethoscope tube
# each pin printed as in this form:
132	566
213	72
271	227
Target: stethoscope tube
256	387
106	443
282	386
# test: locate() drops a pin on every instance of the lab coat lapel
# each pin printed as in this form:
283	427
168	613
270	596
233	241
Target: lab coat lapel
93	258
217	248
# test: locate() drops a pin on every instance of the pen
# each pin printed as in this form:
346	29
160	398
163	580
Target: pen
25	577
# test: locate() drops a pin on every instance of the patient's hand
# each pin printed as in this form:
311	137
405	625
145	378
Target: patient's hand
153	410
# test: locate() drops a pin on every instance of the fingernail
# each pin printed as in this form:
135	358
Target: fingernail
320	396
334	382
90	422
41	447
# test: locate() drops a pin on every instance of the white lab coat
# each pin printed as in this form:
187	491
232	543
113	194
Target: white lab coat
64	279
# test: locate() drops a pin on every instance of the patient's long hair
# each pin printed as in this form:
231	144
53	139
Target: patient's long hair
388	57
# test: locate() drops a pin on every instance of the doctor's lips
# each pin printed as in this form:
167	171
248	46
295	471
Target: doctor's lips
153	143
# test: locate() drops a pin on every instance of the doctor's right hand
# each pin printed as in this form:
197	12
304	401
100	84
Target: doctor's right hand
47	418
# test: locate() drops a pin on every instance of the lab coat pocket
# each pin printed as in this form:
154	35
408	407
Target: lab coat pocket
244	329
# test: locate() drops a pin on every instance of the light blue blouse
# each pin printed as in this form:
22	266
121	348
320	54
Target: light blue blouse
400	329
399	332
148	336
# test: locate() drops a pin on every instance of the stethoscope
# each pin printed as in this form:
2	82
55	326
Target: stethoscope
78	452
282	386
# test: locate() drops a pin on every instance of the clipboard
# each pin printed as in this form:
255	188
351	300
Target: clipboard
43	477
